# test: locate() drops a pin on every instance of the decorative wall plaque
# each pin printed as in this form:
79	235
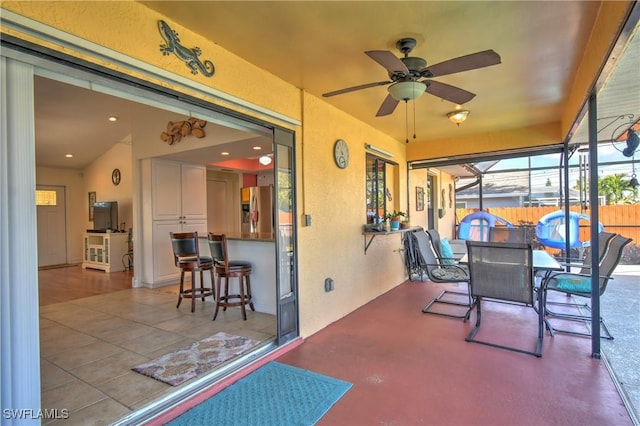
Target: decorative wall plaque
189	56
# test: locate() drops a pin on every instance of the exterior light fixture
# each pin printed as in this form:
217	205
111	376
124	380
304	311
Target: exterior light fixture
458	116
407	90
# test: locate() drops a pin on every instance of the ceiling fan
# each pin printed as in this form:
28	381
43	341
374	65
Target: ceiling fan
406	74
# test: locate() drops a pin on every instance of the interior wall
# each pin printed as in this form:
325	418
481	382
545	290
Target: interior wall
77	205
97	177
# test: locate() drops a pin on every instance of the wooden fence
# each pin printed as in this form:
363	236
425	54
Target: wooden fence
623	219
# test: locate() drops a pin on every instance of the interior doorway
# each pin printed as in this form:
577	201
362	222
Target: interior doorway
51	214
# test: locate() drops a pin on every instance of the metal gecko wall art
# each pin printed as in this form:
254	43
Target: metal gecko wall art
189	56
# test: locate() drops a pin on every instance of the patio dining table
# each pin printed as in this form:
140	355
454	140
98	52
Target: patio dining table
542	261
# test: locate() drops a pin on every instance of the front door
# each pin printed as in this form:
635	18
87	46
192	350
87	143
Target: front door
51	212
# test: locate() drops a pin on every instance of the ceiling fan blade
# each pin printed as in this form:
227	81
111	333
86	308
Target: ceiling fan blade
463	63
354	88
450	93
388	106
388	60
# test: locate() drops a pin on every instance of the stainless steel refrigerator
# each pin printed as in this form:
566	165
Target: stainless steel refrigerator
257	209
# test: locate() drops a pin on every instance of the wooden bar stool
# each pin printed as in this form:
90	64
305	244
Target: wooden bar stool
226	269
187	257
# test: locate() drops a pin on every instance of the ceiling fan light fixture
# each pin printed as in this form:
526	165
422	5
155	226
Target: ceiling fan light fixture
458	116
407	90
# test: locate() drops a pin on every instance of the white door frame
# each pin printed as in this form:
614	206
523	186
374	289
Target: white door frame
52	237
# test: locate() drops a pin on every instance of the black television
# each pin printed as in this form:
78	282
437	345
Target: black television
105	216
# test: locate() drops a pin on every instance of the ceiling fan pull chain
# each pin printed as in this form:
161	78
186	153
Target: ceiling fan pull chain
406	120
414	119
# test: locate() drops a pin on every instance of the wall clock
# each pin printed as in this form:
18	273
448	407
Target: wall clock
115	176
341	153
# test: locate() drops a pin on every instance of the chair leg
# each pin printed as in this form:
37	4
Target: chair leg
193	291
213	286
226	291
475	329
440	299
181	289
220	297
202	293
242	297
574	317
249	293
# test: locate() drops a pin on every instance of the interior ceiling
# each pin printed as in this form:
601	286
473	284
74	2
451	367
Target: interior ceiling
319	47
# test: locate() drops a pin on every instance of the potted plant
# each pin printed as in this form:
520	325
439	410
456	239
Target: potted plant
395	217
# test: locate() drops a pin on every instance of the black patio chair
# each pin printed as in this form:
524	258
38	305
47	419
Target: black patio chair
443	249
579	284
438	272
503	272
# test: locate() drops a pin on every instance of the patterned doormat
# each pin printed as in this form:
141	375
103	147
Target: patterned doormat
274	395
179	366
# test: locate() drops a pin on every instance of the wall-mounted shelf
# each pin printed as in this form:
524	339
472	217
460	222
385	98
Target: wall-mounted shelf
369	236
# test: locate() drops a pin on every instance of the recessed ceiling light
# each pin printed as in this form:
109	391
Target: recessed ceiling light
69	155
257	148
265	160
113	118
224	153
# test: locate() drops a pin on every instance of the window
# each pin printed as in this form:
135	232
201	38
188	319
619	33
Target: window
46	198
382	188
376	206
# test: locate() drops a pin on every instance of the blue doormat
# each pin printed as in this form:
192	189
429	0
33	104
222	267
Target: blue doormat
276	394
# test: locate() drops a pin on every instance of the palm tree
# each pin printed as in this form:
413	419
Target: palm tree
616	189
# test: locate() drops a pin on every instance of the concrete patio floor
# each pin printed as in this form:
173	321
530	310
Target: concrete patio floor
620	307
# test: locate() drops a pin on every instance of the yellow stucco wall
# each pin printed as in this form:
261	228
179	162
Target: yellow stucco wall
132	29
333	246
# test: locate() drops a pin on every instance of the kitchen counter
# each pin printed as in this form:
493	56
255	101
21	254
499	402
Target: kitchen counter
260	250
251	236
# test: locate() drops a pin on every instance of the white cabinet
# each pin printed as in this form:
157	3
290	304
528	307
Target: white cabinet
174	199
164	268
105	251
179	191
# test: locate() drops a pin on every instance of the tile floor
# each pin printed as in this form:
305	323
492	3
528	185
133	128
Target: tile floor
89	345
